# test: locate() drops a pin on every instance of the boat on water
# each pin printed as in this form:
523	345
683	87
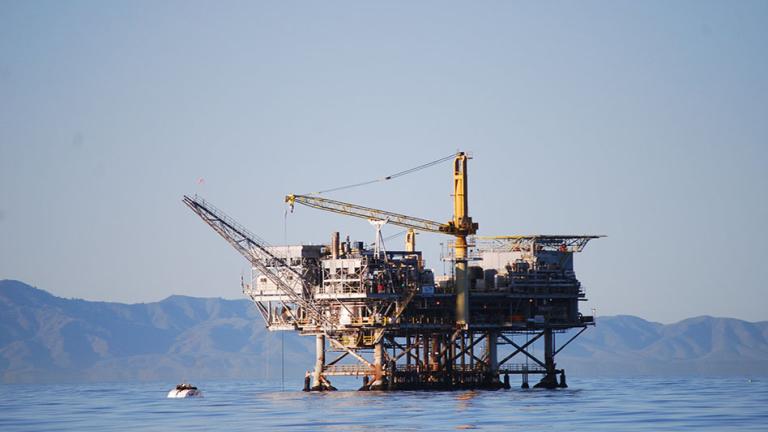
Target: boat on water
185	390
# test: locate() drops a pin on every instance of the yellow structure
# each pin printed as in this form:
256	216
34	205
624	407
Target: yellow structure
463	226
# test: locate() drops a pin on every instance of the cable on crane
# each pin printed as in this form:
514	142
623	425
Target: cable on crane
389	177
390	237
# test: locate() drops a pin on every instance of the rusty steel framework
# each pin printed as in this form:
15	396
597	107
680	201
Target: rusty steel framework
393	322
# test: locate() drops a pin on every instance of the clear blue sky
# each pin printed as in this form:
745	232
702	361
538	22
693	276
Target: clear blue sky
646	121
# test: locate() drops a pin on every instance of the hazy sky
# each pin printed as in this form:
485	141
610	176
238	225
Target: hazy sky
646	121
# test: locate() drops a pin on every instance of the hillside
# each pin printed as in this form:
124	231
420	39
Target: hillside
44	338
704	345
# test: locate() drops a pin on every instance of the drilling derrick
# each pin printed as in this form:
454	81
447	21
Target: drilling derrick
403	327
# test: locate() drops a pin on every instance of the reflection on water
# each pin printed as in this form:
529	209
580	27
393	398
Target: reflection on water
609	404
464	399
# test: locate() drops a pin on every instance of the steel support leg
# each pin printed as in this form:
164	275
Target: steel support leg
491	355
319	383
549	380
378	366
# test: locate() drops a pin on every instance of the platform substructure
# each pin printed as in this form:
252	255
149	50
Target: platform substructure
450	360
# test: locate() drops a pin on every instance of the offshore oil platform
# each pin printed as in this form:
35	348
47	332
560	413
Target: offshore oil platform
403	326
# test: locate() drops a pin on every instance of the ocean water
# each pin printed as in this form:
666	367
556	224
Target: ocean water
640	404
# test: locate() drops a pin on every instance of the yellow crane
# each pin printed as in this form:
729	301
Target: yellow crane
460	226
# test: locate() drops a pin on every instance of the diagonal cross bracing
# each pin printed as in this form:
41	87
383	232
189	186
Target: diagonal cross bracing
522	349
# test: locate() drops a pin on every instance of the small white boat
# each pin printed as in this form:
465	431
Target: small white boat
185	390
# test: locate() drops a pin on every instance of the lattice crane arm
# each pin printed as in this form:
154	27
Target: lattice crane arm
258	252
371	213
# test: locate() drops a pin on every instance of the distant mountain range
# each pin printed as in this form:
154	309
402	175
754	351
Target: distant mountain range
44	338
704	345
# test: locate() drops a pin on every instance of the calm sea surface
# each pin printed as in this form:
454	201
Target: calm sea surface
589	404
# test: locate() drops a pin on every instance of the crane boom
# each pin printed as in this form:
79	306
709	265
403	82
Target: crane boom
370	213
460	226
257	251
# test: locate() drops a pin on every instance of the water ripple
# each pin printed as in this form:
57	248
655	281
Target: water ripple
595	404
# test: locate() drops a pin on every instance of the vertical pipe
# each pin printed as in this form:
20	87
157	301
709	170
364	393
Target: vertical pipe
410	240
492	355
410	245
550	379
549	358
417	354
462	281
463	355
453	356
463	226
408	350
448	359
317	383
434	350
471	350
378	358
460	202
335	245
391	375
